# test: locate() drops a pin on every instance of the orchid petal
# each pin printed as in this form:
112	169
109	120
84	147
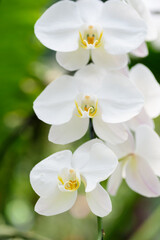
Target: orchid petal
153	7
111	62
58	29
140	177
73	60
143	78
82	155
89	10
141	119
100	165
115	179
70	131
112	133
123	149
142	9
118	99
58	203
43	176
55	104
148	147
89	79
141	51
123	29
99	201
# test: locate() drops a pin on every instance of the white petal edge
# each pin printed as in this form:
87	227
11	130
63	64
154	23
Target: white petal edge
123	149
58	203
89	79
112	133
148	146
115	179
141	119
43	176
141	51
99	201
141	179
111	62
101	164
145	81
73	60
55	104
58	29
118	98
82	155
70	131
141	7
123	29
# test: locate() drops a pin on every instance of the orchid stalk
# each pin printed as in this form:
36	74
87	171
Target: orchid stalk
99	219
100	229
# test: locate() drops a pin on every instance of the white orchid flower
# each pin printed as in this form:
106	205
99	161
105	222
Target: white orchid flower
145	81
139	163
152	32
86	29
69	102
57	178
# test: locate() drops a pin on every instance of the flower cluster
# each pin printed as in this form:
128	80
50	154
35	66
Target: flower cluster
95	39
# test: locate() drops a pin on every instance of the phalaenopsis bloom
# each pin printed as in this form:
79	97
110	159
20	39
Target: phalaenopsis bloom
90	29
139	163
57	178
107	98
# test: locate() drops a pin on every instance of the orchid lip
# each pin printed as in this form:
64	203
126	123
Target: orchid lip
87	106
68	180
90	39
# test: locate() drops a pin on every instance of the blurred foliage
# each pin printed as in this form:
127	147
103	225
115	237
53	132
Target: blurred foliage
26	67
11	233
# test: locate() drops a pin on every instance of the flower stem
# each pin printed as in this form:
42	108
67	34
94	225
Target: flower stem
91	130
100	230
99	219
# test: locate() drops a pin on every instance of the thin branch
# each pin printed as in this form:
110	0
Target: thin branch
100	229
99	219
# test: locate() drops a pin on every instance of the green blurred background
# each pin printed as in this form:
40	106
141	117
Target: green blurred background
26	67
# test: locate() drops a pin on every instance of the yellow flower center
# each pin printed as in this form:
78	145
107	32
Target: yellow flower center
72	185
90	38
87	107
68	180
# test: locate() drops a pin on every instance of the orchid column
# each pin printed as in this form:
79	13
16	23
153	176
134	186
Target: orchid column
100	93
